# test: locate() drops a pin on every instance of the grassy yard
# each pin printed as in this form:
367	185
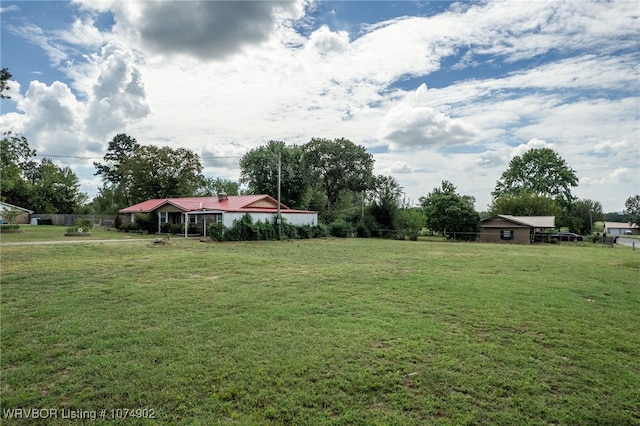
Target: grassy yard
328	331
56	233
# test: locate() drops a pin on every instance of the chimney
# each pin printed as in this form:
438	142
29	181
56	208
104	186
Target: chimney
222	196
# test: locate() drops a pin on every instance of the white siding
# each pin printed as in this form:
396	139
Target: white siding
299	219
292	218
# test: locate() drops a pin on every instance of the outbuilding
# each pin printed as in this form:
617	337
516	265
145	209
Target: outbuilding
621	228
505	228
199	212
14	214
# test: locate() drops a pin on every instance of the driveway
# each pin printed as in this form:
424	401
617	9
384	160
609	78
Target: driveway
626	241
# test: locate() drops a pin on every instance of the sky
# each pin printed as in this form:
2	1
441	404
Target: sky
434	90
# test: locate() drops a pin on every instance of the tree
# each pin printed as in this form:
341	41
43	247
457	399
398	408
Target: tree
410	221
259	170
450	213
115	171
211	187
5	75
337	166
57	189
632	209
10	214
15	160
385	201
156	172
525	204
539	171
586	213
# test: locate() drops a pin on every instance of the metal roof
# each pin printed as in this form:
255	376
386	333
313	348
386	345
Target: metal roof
232	203
532	221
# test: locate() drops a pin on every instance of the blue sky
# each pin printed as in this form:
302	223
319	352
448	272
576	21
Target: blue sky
435	90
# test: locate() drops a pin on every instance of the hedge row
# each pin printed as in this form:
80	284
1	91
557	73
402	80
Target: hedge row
244	229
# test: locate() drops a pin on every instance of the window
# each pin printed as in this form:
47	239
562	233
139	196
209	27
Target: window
193	219
506	235
164	217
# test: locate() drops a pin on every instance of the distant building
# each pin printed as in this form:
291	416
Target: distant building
21	218
199	212
515	229
621	228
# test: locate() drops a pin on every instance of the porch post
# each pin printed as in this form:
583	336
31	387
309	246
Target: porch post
158	222
186	224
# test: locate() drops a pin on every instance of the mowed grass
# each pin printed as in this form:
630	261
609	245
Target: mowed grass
353	332
33	233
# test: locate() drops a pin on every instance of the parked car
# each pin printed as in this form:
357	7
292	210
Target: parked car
567	236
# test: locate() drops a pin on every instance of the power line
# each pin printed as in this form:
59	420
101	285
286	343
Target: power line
91	158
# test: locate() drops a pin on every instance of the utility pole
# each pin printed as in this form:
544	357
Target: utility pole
278	219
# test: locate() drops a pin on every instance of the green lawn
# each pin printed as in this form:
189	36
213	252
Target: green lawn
56	233
335	331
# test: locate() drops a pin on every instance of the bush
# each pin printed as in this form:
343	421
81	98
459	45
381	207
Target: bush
244	229
80	226
143	222
362	230
217	231
9	226
305	232
85	224
117	222
341	228
320	231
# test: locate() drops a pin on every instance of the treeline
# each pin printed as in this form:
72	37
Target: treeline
332	176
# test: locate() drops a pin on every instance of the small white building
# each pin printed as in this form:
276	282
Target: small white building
199	212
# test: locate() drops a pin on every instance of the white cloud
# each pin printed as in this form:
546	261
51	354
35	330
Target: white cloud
118	97
245	76
532	144
411	124
324	41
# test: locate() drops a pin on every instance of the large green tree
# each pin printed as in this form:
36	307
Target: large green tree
450	213
40	186
57	189
539	171
211	187
116	172
338	165
586	212
162	172
16	158
259	171
385	195
525	204
632	209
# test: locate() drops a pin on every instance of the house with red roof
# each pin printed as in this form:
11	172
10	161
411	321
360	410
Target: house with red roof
200	212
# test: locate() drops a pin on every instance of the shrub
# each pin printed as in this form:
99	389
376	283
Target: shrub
8	226
217	231
341	228
362	230
117	222
85	224
146	222
320	231
305	232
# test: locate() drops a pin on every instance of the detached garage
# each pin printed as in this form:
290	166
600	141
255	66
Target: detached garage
515	229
